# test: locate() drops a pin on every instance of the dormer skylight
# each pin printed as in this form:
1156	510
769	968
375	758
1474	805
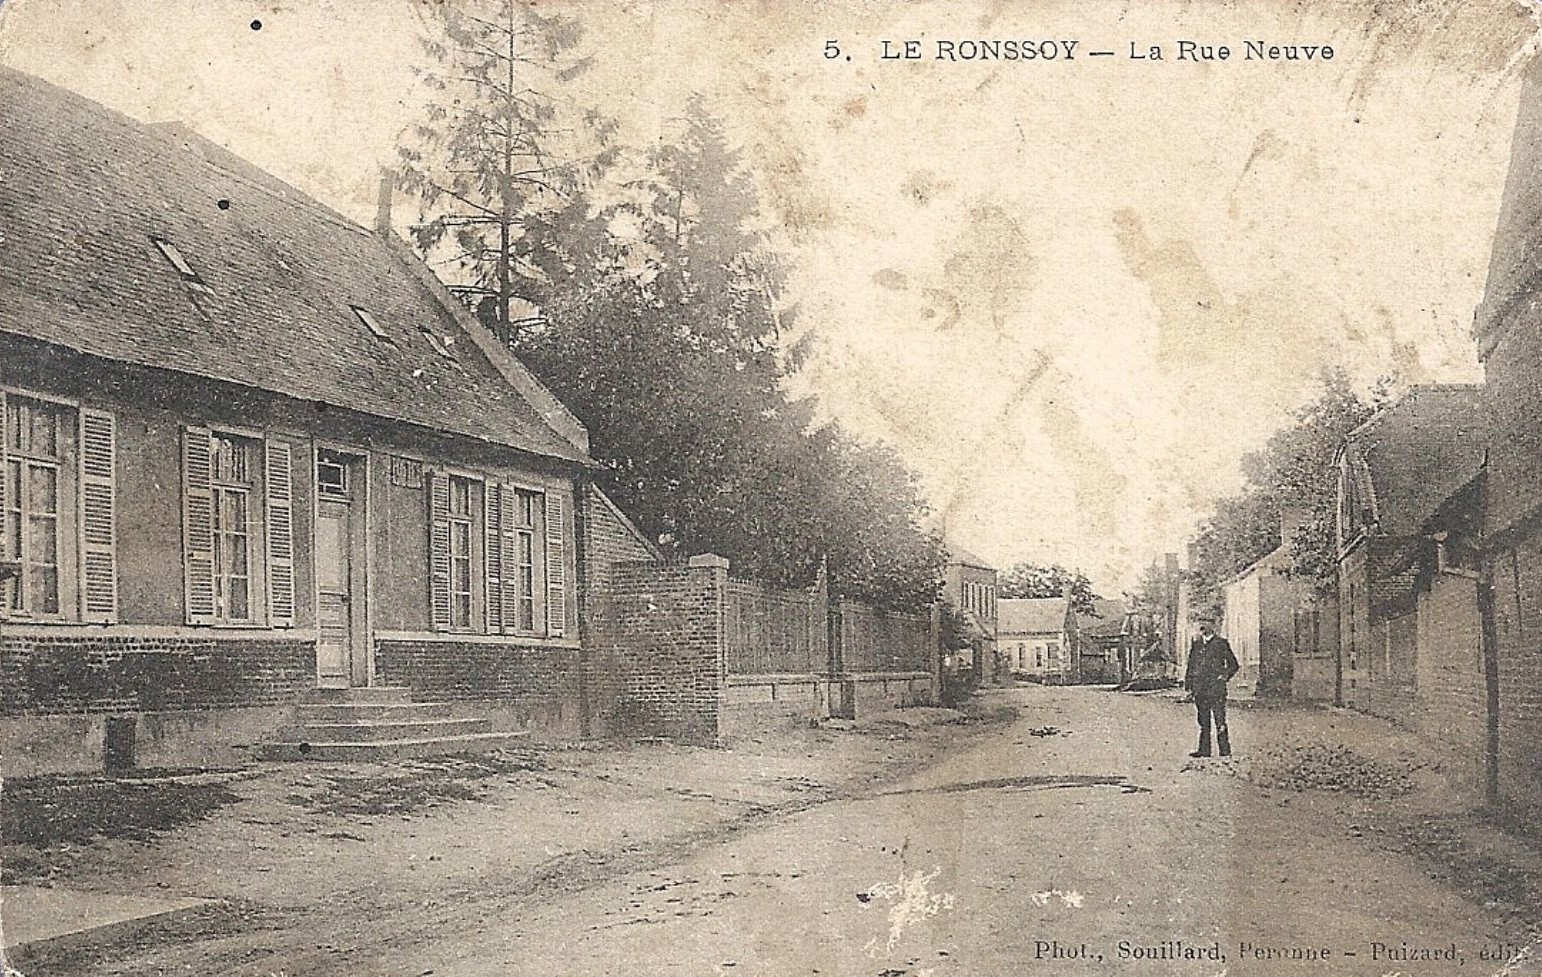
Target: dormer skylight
170	252
371	323
440	345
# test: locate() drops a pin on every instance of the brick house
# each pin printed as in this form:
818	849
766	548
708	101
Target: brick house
1036	636
252	449
1407	497
969	583
1510	345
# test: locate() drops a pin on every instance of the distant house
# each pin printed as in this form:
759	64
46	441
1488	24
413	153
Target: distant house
1283	633
1102	639
1036	636
253	450
970	586
1397	473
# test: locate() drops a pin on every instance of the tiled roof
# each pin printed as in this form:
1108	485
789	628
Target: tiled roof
83	190
1419	451
1030	615
1108	618
957	554
1515	259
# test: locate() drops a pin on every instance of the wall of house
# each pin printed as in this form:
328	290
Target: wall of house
1452	704
1024	652
532	687
1278	598
1314	667
1355	627
1241	629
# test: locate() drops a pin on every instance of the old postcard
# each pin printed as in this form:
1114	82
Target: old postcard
948	488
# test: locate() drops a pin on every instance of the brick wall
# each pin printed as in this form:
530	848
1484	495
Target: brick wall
1452	701
541	684
655	646
64	674
608	540
1517	575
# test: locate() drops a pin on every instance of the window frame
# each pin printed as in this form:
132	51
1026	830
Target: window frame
253	529
68	573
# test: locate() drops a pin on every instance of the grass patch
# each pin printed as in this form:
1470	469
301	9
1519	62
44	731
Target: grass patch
412	785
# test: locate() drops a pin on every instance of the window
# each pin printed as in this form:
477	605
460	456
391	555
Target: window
331	473
524	550
237	527
37	524
460	553
57	510
189	276
231	487
371	323
1054	651
494	549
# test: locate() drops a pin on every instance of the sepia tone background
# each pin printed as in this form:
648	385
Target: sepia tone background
1072	294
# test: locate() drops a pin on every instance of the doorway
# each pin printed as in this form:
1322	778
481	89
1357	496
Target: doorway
342	645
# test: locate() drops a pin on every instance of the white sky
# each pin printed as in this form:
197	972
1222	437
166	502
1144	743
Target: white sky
1072	294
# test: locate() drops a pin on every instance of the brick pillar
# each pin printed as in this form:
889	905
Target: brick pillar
717	570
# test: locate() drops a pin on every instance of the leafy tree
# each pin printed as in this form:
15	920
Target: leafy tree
1295	469
1033	580
498	160
667	341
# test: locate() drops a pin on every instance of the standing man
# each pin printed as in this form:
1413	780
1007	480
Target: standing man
1211	666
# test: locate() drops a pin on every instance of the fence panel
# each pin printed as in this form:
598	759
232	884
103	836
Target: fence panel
769	631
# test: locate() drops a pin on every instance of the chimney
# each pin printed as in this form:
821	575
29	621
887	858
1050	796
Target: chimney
383	203
1292	518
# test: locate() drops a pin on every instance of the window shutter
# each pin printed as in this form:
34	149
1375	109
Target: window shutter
492	555
439	550
98	516
278	484
198	525
556	567
510	552
5	515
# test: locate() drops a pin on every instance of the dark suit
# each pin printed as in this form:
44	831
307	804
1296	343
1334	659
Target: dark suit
1211	666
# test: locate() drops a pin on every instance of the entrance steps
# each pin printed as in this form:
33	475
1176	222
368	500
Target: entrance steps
380	723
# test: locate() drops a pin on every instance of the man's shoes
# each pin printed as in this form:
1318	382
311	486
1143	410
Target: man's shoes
1198	753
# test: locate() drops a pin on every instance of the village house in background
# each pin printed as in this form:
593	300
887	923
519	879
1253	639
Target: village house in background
1405	615
1036	636
267	483
970	585
1102	643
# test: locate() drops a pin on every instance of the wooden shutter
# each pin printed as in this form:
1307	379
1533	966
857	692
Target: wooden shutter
5	515
278	486
439	549
508	517
556	566
98	516
198	525
492	556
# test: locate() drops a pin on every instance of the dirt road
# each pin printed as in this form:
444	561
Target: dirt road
1096	847
1077	839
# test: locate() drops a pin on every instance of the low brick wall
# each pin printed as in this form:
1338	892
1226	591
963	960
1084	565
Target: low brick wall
197	701
535	687
47	676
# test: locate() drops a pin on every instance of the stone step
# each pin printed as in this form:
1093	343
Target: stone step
392	749
374	731
375	694
345	712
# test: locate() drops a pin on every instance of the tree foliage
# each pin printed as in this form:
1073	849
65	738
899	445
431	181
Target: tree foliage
1033	580
663	322
498	160
1296	469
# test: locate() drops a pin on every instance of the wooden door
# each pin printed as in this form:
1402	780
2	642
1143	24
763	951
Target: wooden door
336	639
